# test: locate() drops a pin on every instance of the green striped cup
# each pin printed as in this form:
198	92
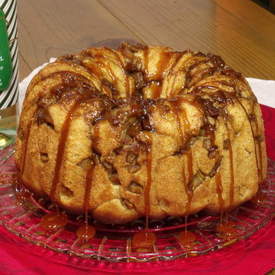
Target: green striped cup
8	53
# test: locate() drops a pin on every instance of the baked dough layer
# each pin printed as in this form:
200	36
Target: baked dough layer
141	131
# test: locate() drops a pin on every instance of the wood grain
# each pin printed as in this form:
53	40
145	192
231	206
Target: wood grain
240	31
256	17
8	121
54	27
7	117
209	26
25	68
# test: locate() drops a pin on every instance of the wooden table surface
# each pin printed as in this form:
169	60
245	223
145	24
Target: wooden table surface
241	32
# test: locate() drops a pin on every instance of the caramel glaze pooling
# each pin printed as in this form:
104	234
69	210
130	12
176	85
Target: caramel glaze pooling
77	89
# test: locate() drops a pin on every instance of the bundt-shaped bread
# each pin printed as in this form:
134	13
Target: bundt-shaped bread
141	132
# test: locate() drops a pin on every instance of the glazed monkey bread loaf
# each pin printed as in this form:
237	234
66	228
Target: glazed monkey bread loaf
141	132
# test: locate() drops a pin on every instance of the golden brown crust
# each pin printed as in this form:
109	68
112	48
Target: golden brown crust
141	131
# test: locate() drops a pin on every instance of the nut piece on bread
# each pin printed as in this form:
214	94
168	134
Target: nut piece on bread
141	131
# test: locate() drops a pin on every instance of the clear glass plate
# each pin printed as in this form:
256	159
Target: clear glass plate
114	243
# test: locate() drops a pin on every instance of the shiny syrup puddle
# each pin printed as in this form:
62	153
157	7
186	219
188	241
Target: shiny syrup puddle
141	234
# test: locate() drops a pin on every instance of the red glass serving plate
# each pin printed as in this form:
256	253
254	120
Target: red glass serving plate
173	238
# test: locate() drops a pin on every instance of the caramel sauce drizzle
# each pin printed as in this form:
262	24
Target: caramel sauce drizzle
255	145
232	182
54	221
259	169
148	185
186	178
89	178
79	62
88	187
178	58
113	76
161	67
219	191
190	172
146	57
61	148
157	88
162	64
118	57
190	165
96	72
116	54
198	63
85	232
259	145
218	180
189	162
25	148
191	67
144	240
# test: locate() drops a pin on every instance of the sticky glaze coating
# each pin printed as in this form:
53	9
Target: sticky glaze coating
141	132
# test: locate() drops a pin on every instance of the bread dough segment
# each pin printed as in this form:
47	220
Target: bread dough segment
180	131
